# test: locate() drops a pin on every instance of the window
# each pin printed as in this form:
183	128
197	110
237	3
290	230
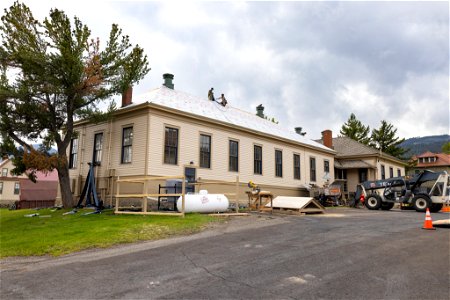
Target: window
312	169
4	172
205	151
1	188
98	142
257	160
296	166
362	175
391	172
127	145
73	153
326	166
383	172
16	188
399	172
171	146
278	163
233	164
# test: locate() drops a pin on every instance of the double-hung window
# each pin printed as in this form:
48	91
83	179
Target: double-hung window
278	163
171	146
205	151
127	145
98	144
326	166
73	153
257	160
16	188
296	166
312	169
233	163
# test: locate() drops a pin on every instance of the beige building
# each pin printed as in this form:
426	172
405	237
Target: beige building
9	184
356	162
169	132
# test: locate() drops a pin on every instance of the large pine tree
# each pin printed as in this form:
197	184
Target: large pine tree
384	139
354	129
52	73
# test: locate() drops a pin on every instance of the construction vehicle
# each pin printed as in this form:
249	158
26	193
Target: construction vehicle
425	190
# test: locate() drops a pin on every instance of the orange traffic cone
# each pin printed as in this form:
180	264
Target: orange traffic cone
445	208
428	224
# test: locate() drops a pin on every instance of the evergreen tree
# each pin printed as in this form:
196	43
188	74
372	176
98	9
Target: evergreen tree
384	139
354	129
60	75
446	148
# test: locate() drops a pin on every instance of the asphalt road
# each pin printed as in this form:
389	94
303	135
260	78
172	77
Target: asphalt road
343	254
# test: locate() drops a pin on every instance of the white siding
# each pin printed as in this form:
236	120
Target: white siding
188	150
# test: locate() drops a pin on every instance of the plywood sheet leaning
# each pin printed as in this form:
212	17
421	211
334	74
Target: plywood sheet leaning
297	204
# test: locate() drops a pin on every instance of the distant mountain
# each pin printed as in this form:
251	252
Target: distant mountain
419	145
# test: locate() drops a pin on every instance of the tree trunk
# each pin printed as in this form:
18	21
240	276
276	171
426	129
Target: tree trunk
64	185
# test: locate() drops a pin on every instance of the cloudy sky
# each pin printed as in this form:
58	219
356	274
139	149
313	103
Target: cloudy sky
310	64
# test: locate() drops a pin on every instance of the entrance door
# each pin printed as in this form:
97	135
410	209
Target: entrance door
190	174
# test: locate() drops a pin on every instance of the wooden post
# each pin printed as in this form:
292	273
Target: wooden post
112	191
144	198
118	193
183	188
237	193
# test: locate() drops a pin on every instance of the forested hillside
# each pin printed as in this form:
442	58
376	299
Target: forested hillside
418	145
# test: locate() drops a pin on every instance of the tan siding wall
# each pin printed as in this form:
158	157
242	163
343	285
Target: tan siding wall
112	150
387	164
7	195
189	134
152	125
8	191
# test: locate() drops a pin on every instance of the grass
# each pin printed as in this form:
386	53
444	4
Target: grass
52	233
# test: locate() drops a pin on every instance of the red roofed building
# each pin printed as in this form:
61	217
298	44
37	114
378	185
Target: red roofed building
431	161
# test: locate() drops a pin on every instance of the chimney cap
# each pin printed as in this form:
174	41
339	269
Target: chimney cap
168	80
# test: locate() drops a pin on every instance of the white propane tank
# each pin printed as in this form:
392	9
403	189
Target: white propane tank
203	202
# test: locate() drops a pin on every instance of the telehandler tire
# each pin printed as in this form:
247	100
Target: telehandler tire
421	203
373	202
435	207
387	205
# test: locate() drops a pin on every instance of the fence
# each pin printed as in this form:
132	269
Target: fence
144	195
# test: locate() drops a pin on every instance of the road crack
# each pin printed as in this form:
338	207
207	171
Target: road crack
227	279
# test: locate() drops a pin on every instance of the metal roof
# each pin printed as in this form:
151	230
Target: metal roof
214	111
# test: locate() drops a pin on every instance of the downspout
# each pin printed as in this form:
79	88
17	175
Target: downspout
111	182
147	143
109	145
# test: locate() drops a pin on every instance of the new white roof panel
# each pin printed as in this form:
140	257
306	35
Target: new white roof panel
214	111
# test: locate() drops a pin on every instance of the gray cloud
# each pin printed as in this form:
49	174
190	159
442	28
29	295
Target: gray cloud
310	64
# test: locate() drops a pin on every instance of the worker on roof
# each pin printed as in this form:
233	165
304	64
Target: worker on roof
211	94
224	101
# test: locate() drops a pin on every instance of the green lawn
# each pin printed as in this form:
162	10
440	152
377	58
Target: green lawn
52	233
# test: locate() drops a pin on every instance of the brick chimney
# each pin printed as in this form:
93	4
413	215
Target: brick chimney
168	80
327	138
127	96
